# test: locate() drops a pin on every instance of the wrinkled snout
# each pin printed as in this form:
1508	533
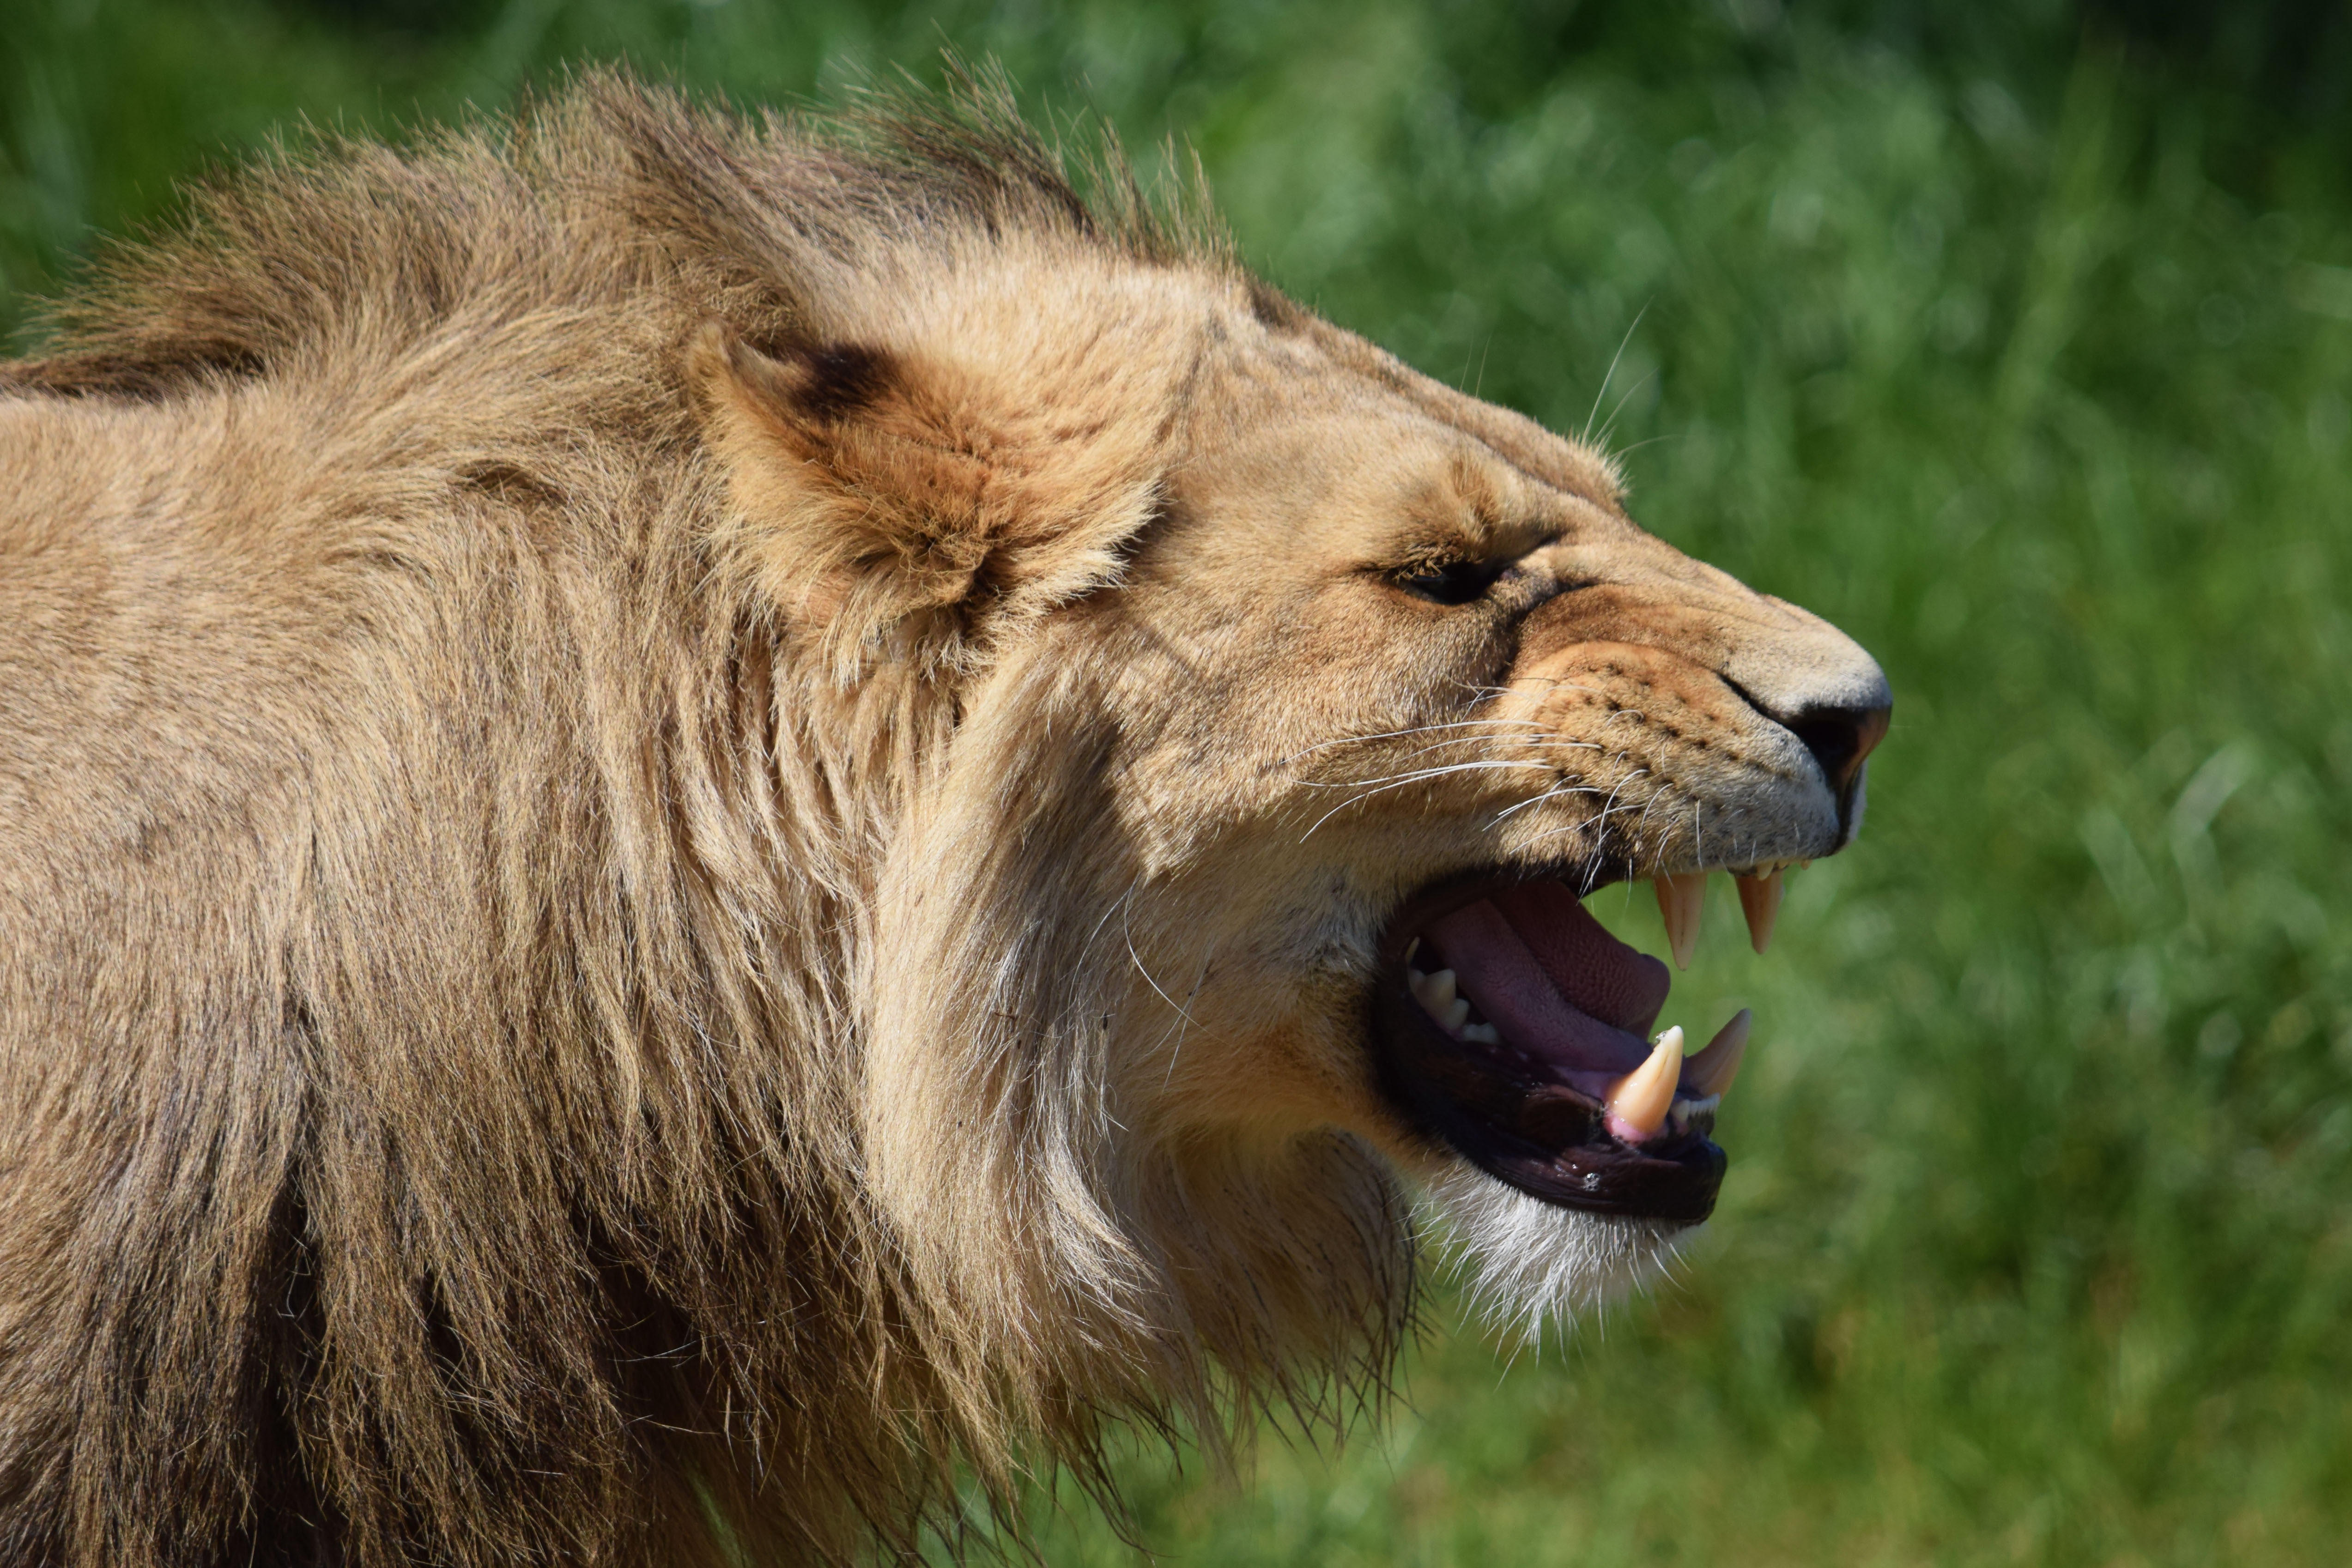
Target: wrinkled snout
1706	700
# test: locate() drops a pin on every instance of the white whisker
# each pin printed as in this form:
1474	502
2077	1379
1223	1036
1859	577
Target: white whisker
1602	391
1382	787
1600	818
1417	729
1176	1051
1126	932
1551	794
1414	775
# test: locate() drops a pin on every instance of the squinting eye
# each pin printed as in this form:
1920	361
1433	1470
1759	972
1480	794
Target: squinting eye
1455	582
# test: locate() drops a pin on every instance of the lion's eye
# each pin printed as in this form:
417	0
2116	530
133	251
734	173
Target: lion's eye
1455	582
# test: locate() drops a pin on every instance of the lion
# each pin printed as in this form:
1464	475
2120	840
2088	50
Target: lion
708	825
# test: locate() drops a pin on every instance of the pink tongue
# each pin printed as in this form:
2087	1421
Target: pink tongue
1594	971
1557	984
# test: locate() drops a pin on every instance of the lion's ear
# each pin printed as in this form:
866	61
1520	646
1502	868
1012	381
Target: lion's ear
880	498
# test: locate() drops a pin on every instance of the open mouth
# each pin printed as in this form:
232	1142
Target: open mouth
1512	1026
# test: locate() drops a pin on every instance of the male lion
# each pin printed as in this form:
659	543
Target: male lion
701	819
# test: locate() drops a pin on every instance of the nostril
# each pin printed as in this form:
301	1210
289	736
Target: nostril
1840	738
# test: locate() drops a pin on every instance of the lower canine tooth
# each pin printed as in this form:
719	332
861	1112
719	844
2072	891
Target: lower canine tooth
1711	1071
1455	1015
1759	900
1638	1102
1682	899
1437	992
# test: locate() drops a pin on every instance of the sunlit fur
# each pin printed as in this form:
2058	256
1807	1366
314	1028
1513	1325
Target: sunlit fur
1531	1267
693	818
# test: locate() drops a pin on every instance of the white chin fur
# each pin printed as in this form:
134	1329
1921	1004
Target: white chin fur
1529	1262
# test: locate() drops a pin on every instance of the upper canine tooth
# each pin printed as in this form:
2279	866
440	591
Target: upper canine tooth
1759	900
1711	1071
1638	1103
1681	899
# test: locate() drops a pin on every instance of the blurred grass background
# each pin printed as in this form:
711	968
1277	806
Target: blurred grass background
2014	337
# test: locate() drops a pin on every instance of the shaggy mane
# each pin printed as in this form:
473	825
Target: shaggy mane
579	200
529	914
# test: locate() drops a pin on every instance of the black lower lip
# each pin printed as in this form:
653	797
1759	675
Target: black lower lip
1511	1122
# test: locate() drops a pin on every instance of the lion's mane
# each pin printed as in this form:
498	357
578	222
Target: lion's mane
497	1071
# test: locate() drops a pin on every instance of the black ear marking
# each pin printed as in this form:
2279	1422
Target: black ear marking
843	378
823	383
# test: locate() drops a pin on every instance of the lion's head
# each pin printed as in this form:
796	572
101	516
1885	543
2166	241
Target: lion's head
907	808
1281	705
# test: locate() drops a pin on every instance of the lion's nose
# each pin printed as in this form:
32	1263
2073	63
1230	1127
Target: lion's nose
1818	684
1839	738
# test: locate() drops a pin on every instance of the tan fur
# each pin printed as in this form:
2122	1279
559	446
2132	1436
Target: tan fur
691	818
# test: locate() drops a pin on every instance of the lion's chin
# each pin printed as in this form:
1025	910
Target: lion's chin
1528	1263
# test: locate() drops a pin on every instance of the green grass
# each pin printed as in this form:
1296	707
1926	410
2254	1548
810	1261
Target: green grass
2035	375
